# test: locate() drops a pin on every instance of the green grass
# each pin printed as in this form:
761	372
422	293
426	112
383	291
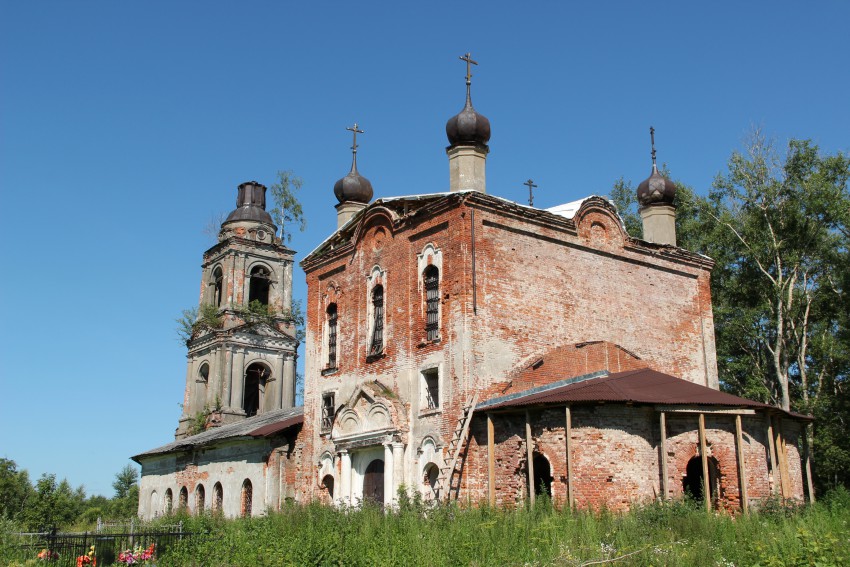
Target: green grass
659	534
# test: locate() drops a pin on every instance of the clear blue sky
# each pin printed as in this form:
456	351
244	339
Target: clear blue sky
125	126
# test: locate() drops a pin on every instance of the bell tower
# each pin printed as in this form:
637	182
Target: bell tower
241	355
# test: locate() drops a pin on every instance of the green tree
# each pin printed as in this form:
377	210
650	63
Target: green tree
125	479
15	490
287	209
53	504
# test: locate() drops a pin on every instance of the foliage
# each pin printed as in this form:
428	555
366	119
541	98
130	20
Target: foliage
193	321
670	533
287	209
125	479
15	489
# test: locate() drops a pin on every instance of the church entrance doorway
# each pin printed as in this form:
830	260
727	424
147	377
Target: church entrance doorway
373	482
542	475
692	483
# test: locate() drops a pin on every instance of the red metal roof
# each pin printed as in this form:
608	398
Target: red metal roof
278	426
643	386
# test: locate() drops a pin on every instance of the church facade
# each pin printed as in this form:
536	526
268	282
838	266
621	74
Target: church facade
471	348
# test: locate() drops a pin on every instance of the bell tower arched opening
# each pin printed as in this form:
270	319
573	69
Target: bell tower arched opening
255	384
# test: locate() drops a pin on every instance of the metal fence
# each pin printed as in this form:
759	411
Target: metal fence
108	544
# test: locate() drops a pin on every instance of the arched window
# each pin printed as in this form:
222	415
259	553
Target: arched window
431	278
154	504
200	499
429	481
169	501
204	372
218	286
332	327
377	342
218	498
255	383
247	496
184	499
258	289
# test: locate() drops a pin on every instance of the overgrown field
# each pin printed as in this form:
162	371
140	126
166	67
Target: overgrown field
670	534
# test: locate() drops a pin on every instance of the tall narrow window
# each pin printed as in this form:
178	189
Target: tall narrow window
377	343
218	497
218	286
200	499
169	501
247	497
184	498
258	289
332	323
431	389
328	411
432	302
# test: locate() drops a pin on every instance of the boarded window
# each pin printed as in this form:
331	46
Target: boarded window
200	499
218	497
258	289
431	277
328	411
430	389
377	342
247	497
332	326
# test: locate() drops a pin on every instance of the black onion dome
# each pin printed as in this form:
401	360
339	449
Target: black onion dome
251	204
468	127
656	190
353	187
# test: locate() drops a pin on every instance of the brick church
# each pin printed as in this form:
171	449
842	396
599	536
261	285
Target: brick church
468	348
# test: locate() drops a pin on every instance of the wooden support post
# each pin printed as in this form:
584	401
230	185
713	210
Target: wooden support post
782	453
569	436
774	470
703	449
662	424
742	468
491	461
530	460
807	446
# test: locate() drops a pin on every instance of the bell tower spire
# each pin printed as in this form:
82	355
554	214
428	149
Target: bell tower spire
468	133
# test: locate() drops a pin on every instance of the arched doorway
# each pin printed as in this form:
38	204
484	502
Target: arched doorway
373	482
542	475
692	483
255	383
328	483
429	481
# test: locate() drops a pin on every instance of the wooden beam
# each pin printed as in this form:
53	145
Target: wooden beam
774	470
529	459
742	468
807	447
569	436
697	409
662	425
703	449
491	461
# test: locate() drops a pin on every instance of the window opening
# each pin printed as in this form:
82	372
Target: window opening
200	499
247	495
204	372
432	302
169	501
218	497
431	389
328	411
258	288
183	503
377	344
542	475
255	378
154	506
218	286
332	324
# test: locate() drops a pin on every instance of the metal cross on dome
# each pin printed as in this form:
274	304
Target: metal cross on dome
469	61
354	130
531	186
652	137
